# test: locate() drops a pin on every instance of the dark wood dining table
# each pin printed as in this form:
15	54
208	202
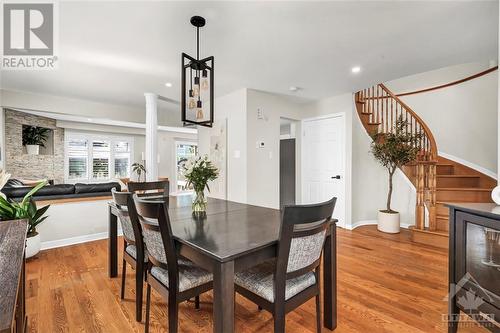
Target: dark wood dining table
231	237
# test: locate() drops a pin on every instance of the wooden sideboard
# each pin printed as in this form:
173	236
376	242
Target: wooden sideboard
12	276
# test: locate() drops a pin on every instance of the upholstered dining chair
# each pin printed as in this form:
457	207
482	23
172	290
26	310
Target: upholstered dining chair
175	278
160	188
134	252
293	277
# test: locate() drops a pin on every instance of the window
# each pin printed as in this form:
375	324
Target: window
95	158
183	152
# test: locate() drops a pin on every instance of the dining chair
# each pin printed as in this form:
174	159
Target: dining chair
134	252
173	277
146	189
282	284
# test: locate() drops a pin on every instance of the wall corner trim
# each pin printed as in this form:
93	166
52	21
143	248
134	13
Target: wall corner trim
75	240
372	222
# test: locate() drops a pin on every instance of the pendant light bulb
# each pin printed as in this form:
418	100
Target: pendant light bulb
204	79
204	84
196	91
199	111
191	104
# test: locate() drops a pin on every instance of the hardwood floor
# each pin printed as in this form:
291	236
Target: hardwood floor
386	283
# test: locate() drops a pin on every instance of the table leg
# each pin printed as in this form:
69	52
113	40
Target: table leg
330	280
113	244
224	297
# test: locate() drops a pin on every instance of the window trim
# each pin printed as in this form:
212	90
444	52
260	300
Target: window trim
91	137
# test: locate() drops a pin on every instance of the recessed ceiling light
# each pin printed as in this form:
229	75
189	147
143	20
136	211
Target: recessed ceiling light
293	89
356	69
89	119
168	84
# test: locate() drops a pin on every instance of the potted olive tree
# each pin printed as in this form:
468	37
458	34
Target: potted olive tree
34	137
26	209
392	151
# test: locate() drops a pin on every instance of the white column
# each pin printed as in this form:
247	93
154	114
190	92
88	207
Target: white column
151	136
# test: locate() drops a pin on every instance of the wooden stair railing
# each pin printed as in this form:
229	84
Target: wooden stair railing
378	109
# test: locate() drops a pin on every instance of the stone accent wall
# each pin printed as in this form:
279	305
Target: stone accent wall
22	165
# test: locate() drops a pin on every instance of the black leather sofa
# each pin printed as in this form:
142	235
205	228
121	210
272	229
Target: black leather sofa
16	190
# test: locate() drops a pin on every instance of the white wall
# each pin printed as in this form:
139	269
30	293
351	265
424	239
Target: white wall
463	118
263	176
231	108
74	222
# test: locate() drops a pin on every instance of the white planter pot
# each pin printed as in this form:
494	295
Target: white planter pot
33	245
495	195
33	149
388	222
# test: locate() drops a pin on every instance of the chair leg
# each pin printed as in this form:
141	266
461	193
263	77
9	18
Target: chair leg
148	305
259	307
279	320
124	273
173	313
197	302
138	291
318	313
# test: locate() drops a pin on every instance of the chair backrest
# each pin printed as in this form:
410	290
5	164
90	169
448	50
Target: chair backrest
145	189
302	236
157	232
127	214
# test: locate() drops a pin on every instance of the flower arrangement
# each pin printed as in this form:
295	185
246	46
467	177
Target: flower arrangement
198	172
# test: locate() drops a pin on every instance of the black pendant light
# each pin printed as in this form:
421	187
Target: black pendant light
197	91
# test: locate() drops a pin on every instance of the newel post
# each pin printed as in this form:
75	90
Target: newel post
420	208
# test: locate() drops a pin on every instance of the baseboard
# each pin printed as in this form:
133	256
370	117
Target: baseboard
372	222
75	240
471	165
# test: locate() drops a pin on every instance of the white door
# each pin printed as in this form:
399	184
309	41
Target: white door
323	161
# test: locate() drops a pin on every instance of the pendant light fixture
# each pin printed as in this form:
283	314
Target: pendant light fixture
197	91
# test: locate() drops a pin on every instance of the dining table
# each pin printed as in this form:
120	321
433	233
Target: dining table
231	237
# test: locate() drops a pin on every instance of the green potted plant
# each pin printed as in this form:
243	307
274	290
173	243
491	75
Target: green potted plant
139	169
198	172
26	209
392	151
34	137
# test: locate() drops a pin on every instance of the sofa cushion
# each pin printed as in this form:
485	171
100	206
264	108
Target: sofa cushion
49	190
96	188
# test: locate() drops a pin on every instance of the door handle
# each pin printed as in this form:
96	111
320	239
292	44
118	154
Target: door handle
336	177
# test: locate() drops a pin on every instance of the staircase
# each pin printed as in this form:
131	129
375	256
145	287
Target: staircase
437	180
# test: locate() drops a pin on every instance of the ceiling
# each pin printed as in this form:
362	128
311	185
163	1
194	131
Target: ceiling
115	51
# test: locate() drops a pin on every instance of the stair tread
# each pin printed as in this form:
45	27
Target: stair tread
367	113
374	123
458	176
480	189
439	216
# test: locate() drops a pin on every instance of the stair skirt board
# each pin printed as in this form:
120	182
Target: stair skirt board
471	165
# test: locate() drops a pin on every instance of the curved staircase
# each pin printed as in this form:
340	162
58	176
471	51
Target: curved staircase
437	180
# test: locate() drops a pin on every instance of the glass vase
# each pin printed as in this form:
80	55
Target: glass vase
199	203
